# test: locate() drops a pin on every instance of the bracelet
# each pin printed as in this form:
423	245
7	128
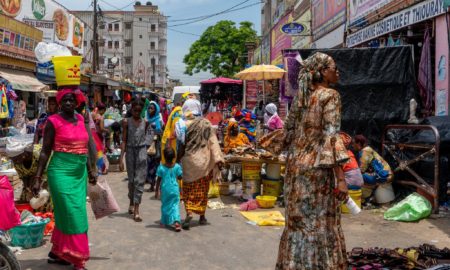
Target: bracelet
38	177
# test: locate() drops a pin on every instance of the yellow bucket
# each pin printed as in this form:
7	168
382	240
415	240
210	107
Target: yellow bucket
251	171
271	187
356	196
67	70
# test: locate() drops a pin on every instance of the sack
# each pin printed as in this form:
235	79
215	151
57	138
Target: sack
412	208
102	200
151	151
214	190
9	216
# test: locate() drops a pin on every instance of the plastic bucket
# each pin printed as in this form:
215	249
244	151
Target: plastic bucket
273	171
271	187
67	70
251	171
384	193
356	196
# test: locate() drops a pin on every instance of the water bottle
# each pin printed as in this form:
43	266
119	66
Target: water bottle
352	206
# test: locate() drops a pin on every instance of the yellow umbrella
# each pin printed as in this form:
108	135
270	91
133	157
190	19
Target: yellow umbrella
261	72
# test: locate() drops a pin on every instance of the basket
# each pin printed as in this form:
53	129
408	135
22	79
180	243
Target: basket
28	235
67	70
266	201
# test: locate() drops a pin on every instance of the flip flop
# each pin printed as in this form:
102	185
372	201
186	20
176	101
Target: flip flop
187	223
53	259
137	218
177	227
203	221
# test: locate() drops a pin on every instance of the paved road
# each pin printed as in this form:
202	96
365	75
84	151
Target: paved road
117	242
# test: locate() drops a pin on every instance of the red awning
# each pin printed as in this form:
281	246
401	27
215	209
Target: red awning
221	80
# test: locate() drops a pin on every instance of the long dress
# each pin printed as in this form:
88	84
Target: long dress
67	180
170	193
313	237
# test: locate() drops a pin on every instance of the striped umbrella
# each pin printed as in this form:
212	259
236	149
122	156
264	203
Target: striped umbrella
261	72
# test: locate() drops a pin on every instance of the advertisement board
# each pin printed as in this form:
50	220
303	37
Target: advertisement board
327	15
441	67
265	49
47	28
68	30
303	41
279	40
359	9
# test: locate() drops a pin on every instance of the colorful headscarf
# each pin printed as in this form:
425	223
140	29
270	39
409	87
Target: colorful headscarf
310	72
169	131
346	139
79	96
156	118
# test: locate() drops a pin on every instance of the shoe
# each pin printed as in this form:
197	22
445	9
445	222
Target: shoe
53	259
187	223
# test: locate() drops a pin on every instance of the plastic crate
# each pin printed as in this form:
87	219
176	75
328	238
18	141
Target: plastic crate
28	235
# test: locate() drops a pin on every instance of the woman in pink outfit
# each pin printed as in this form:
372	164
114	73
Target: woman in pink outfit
274	121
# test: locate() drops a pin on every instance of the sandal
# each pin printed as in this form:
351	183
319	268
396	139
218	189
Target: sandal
187	223
131	210
54	259
177	227
203	221
137	218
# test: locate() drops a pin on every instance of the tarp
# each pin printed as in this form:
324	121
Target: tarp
22	80
221	80
376	85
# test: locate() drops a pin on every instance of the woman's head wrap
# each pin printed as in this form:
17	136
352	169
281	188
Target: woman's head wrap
271	108
79	97
309	74
346	139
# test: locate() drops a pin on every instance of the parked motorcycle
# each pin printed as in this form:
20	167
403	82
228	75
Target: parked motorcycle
8	260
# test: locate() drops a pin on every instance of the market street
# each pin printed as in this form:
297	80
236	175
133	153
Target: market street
117	242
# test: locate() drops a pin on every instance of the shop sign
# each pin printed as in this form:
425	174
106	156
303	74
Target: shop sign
441	67
47	28
327	15
412	15
280	40
68	29
266	50
294	28
303	41
278	13
359	9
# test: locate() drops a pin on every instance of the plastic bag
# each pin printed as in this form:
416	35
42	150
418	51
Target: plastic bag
412	208
249	206
213	190
9	216
46	51
103	202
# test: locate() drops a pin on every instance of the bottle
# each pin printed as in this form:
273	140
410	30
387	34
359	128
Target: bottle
352	206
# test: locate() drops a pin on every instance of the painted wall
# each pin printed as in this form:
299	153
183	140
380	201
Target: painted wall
441	67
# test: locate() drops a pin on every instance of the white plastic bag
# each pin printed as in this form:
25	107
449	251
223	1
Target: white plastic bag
46	51
103	202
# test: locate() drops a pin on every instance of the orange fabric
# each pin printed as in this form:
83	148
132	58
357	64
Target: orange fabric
346	139
351	164
233	142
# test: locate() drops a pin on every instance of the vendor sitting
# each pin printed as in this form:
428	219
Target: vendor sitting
274	121
352	173
25	158
248	125
374	168
233	138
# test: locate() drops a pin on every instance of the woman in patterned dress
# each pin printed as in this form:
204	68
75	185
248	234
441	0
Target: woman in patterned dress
315	184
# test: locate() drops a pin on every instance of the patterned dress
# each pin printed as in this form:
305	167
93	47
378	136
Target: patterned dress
313	237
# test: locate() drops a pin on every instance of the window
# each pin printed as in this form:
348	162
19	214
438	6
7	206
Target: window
128	25
110	44
140	36
116	44
140	19
152	45
128	43
153	28
110	26
140	54
153	79
101	43
128	60
85	43
116	27
101	26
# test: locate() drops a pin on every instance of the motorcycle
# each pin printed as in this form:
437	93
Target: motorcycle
8	260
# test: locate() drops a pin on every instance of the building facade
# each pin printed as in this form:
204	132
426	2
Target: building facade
132	45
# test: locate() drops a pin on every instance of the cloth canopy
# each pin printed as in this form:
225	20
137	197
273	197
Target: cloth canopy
22	80
221	80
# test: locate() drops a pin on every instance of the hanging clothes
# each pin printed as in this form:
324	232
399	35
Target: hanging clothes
425	78
4	112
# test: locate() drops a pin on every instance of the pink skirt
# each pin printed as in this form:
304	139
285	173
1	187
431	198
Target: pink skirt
73	248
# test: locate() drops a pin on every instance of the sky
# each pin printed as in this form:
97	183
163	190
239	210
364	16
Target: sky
179	43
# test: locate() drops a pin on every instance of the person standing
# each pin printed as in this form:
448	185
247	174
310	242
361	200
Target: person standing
313	237
201	156
134	145
274	121
66	135
156	124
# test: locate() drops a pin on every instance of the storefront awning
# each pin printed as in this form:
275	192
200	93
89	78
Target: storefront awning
22	80
112	83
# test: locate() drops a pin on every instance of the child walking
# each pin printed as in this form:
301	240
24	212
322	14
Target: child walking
167	176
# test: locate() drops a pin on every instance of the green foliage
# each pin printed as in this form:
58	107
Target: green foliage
220	50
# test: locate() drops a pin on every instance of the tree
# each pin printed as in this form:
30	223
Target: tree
220	49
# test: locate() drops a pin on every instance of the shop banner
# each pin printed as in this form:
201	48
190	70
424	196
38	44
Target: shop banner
441	67
327	15
251	94
303	41
412	15
47	28
280	40
68	30
359	9
266	50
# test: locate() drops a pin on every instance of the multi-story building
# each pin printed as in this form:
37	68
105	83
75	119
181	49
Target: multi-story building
132	44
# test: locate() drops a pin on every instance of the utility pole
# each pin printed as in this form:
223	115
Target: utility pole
95	42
